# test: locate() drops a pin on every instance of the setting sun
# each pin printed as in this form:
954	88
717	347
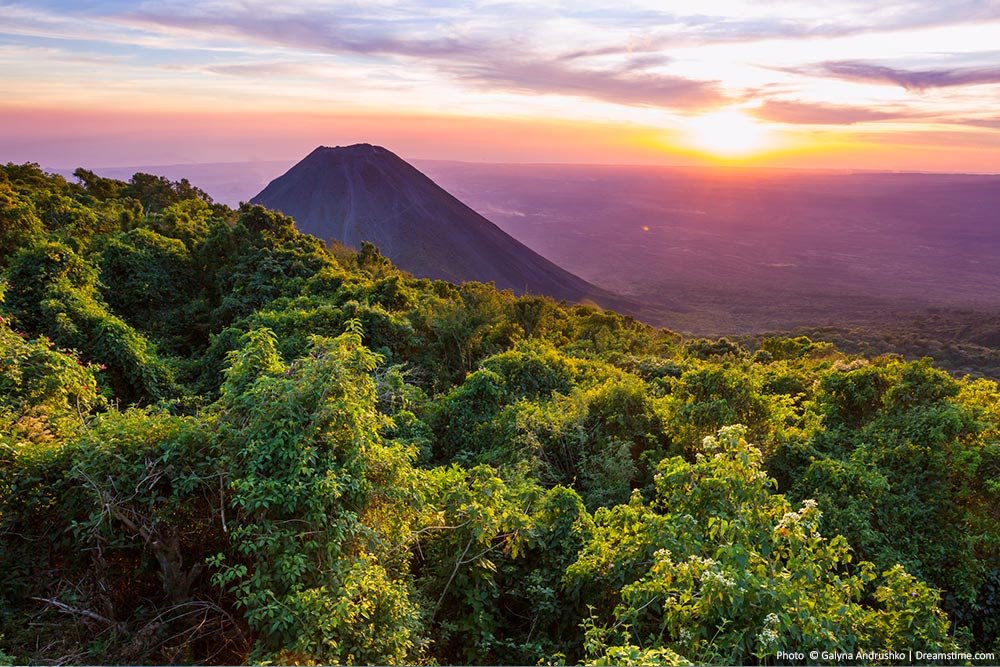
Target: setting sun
727	134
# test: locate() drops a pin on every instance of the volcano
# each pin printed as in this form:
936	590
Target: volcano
363	193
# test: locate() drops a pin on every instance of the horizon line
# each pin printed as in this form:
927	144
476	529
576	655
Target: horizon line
702	167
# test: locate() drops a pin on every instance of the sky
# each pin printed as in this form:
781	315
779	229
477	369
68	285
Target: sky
842	84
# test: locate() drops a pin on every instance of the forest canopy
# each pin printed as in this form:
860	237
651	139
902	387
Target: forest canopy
224	441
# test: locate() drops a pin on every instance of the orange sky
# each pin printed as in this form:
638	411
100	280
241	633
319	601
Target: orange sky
66	138
909	86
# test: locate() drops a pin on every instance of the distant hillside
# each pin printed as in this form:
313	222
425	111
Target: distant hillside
367	193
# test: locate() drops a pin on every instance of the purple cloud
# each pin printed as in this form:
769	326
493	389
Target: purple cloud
476	59
624	86
335	34
987	123
856	70
786	111
479	52
259	69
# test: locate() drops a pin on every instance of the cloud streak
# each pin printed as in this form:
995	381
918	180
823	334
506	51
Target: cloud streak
852	70
806	113
469	57
985	123
622	86
324	32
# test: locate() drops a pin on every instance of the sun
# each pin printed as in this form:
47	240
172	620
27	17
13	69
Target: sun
727	134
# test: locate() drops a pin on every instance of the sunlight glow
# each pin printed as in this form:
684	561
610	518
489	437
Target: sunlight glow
907	85
727	133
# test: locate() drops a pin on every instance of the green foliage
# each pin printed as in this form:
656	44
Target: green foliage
157	193
44	392
189	220
307	469
335	462
719	569
114	526
54	293
259	260
898	452
477	519
19	223
153	281
705	399
99	187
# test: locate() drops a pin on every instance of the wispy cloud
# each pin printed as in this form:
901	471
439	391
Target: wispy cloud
852	70
462	52
622	86
735	21
987	123
308	29
265	69
807	113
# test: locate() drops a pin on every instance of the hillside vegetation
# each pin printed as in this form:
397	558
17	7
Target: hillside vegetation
223	441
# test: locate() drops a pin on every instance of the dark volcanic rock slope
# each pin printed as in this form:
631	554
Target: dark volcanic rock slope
367	193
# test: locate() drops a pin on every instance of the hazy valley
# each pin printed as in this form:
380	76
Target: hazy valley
749	249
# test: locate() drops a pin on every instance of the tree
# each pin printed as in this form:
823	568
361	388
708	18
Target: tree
720	569
319	503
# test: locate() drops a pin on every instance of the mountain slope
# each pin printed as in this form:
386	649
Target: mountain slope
367	193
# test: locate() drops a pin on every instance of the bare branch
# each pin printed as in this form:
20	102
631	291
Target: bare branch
66	609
